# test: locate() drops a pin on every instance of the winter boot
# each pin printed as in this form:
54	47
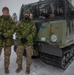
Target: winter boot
19	68
27	70
6	70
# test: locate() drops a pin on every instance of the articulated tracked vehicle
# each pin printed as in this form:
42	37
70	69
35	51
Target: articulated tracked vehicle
54	20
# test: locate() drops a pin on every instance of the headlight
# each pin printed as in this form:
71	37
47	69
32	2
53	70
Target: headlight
53	38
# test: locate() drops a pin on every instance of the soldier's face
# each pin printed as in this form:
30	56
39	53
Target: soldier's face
5	12
26	15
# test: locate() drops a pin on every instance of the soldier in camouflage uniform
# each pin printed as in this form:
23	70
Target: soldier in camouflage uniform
25	34
7	28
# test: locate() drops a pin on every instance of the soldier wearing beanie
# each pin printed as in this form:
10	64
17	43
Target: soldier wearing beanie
25	33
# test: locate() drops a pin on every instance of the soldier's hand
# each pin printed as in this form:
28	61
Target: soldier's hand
23	40
2	37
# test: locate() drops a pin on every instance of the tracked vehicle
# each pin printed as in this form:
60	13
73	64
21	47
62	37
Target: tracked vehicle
54	20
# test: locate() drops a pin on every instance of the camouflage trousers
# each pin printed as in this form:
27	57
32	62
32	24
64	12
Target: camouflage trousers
29	53
7	53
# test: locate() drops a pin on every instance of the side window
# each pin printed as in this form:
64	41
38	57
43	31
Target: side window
60	10
35	11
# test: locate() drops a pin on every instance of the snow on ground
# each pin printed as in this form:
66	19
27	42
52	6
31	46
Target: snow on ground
37	68
70	70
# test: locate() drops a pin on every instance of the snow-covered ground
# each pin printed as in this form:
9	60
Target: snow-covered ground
37	68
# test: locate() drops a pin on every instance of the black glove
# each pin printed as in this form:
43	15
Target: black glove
23	40
2	37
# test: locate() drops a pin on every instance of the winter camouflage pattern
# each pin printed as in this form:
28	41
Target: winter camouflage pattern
26	29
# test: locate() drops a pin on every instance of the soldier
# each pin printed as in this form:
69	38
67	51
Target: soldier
7	28
25	34
14	17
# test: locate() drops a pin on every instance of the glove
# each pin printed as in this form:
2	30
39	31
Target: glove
2	37
23	40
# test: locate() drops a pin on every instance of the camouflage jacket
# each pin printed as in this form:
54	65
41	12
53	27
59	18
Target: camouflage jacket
7	28
26	29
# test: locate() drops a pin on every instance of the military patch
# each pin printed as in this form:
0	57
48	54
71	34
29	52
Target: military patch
34	27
